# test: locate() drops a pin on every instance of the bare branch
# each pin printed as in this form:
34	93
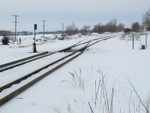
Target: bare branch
147	110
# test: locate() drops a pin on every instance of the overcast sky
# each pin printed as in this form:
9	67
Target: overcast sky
81	12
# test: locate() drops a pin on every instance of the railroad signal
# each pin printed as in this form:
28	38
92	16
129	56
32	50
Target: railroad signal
34	44
35	26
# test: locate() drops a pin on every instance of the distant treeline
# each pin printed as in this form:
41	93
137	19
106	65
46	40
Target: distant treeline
111	26
4	32
10	33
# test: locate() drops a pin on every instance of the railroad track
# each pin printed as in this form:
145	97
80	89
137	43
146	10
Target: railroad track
19	62
20	84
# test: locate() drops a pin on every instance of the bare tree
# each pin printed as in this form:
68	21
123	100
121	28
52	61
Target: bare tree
99	28
121	27
136	27
112	25
85	29
146	20
71	29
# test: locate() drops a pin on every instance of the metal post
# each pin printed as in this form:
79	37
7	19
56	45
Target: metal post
15	26
34	36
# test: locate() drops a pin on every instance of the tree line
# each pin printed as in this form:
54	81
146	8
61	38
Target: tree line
111	26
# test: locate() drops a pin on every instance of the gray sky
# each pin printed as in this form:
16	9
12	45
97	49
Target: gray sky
81	12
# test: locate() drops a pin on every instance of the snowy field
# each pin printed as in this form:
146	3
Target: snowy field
95	82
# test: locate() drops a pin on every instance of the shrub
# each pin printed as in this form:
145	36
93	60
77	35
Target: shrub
5	40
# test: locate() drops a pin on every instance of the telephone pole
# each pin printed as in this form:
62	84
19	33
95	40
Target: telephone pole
62	26
16	22
44	27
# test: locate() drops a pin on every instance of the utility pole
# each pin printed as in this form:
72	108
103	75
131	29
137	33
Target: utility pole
62	26
16	22
44	27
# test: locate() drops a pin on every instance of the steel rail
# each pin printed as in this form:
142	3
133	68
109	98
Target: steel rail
38	70
10	63
19	62
100	41
29	84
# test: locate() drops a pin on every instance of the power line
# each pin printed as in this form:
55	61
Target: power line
15	26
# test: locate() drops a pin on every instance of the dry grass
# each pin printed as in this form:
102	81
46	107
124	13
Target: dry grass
100	94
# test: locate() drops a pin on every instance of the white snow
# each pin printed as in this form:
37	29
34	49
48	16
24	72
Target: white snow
75	88
12	74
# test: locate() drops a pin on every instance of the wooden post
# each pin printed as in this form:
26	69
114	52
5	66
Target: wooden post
146	40
132	40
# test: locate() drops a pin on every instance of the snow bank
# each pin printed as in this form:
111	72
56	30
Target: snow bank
96	81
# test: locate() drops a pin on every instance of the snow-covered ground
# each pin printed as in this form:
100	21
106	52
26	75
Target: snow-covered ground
97	81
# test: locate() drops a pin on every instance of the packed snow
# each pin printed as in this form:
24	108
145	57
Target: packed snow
96	81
